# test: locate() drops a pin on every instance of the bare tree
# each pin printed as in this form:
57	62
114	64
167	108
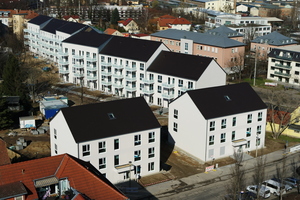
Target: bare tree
249	34
236	65
259	172
281	174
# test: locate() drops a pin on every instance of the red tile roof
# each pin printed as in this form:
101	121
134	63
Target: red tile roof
167	22
66	17
82	176
4	159
167	17
110	31
30	13
125	22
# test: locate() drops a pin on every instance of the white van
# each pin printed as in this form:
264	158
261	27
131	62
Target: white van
263	192
274	187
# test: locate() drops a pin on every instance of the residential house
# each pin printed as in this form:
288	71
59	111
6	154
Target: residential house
111	31
62	176
141	36
261	46
284	65
71	18
247	9
129	25
167	21
223	49
120	138
20	21
215	122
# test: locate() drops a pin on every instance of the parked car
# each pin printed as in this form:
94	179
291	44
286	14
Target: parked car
242	196
274	187
292	181
263	192
287	186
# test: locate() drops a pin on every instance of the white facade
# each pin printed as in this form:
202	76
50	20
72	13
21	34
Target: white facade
284	66
184	27
112	155
197	136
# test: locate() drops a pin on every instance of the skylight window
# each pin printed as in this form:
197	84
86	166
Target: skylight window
227	98
111	116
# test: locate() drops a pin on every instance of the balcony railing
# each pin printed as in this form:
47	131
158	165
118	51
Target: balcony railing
78	57
147	81
283	74
27	30
168	96
104	73
118	85
91	59
282	66
129	78
117	66
79	75
130	69
62	71
26	36
168	85
147	91
78	65
130	89
63	53
119	76
105	64
92	77
284	57
26	42
63	62
92	68
106	82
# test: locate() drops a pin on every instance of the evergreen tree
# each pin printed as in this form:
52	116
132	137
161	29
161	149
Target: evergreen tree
115	17
5	115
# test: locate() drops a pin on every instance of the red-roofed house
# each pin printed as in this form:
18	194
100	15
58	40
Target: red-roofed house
111	31
167	21
60	176
71	18
129	25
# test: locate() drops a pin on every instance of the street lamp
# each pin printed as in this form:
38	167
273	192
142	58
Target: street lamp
255	63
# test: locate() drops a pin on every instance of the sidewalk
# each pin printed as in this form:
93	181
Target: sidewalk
221	173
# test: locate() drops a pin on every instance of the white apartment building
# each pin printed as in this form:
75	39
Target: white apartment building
284	65
119	138
215	122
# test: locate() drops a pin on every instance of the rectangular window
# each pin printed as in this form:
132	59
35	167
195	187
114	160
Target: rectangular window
55	148
257	141
159	89
234	121
102	147
137	140
223	137
55	134
248	133
186	46
190	85
137	169
223	125
249	118
102	163
73	51
175	114
180	83
259	129
141	76
116	160
151	137
233	135
259	116
86	150
212	125
211	140
151	152
142	66
248	144
137	155
175	126
116	144
151	166
159	78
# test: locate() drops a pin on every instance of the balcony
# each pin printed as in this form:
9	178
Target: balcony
148	91
147	81
283	74
63	62
107	83
92	68
60	53
130	69
284	57
26	36
27	30
168	85
105	64
282	66
79	65
79	57
130	89
119	76
105	73
90	59
63	71
168	96
129	78
118	85
184	89
117	66
26	42
92	77
79	75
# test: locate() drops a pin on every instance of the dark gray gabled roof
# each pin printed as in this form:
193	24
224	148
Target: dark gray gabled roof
290	53
71	27
199	38
223	31
53	25
88	37
131	48
180	65
92	121
226	100
40	19
275	39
